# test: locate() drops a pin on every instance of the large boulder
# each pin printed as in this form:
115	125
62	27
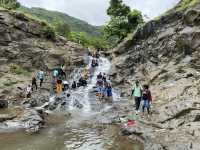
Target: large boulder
192	17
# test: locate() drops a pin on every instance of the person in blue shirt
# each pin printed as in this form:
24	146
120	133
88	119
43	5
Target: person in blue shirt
41	77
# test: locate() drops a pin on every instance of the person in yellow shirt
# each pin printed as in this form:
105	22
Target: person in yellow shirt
86	73
59	86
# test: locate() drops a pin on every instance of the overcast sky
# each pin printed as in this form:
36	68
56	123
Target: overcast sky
94	11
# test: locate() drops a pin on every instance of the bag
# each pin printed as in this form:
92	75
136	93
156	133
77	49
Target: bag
131	122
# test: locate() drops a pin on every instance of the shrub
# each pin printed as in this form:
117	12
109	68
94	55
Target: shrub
48	32
16	69
9	82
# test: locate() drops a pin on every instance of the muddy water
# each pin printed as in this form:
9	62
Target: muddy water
76	132
71	133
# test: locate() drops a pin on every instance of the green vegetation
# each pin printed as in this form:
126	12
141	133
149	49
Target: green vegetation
9	4
184	4
122	20
74	29
62	29
88	41
16	69
48	32
57	18
9	82
54	22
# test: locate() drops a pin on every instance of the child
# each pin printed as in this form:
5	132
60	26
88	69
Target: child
146	97
28	91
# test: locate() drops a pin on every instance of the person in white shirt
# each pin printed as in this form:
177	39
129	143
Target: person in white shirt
28	91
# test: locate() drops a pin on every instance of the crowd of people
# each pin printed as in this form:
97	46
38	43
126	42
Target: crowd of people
103	84
141	94
104	88
60	84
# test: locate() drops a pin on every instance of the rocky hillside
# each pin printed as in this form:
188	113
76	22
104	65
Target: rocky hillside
165	54
27	45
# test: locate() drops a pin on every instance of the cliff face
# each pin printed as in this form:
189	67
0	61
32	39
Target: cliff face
165	53
27	45
162	50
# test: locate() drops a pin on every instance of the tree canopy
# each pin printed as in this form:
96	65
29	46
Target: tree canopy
122	20
88	41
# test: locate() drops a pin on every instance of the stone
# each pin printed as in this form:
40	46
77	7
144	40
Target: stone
3	104
5	117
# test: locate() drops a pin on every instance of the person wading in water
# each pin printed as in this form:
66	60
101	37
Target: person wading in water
137	93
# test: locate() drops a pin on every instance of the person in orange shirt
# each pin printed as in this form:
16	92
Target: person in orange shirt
59	86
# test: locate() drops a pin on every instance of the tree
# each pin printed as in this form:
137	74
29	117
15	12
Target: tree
88	41
118	9
122	20
134	18
9	4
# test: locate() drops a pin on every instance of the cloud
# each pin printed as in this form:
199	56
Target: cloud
94	11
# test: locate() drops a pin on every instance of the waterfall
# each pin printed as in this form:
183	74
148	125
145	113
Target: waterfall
82	95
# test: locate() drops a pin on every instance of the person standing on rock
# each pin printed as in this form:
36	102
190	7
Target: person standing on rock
41	77
28	91
34	83
146	97
55	74
137	93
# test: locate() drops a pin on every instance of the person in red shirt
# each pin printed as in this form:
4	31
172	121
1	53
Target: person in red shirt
146	97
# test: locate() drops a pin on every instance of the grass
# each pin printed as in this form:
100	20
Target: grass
184	4
18	70
9	82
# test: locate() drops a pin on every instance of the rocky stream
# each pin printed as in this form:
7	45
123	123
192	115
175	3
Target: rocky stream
78	122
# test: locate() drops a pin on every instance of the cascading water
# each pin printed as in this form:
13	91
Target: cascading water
83	93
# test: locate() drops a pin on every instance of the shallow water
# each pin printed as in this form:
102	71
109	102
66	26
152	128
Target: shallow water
69	134
77	132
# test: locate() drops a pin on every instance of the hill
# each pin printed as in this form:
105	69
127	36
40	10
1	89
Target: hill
52	17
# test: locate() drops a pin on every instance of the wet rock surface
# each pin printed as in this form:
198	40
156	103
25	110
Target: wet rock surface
19	118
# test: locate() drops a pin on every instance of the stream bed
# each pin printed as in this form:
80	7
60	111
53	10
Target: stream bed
74	134
78	131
